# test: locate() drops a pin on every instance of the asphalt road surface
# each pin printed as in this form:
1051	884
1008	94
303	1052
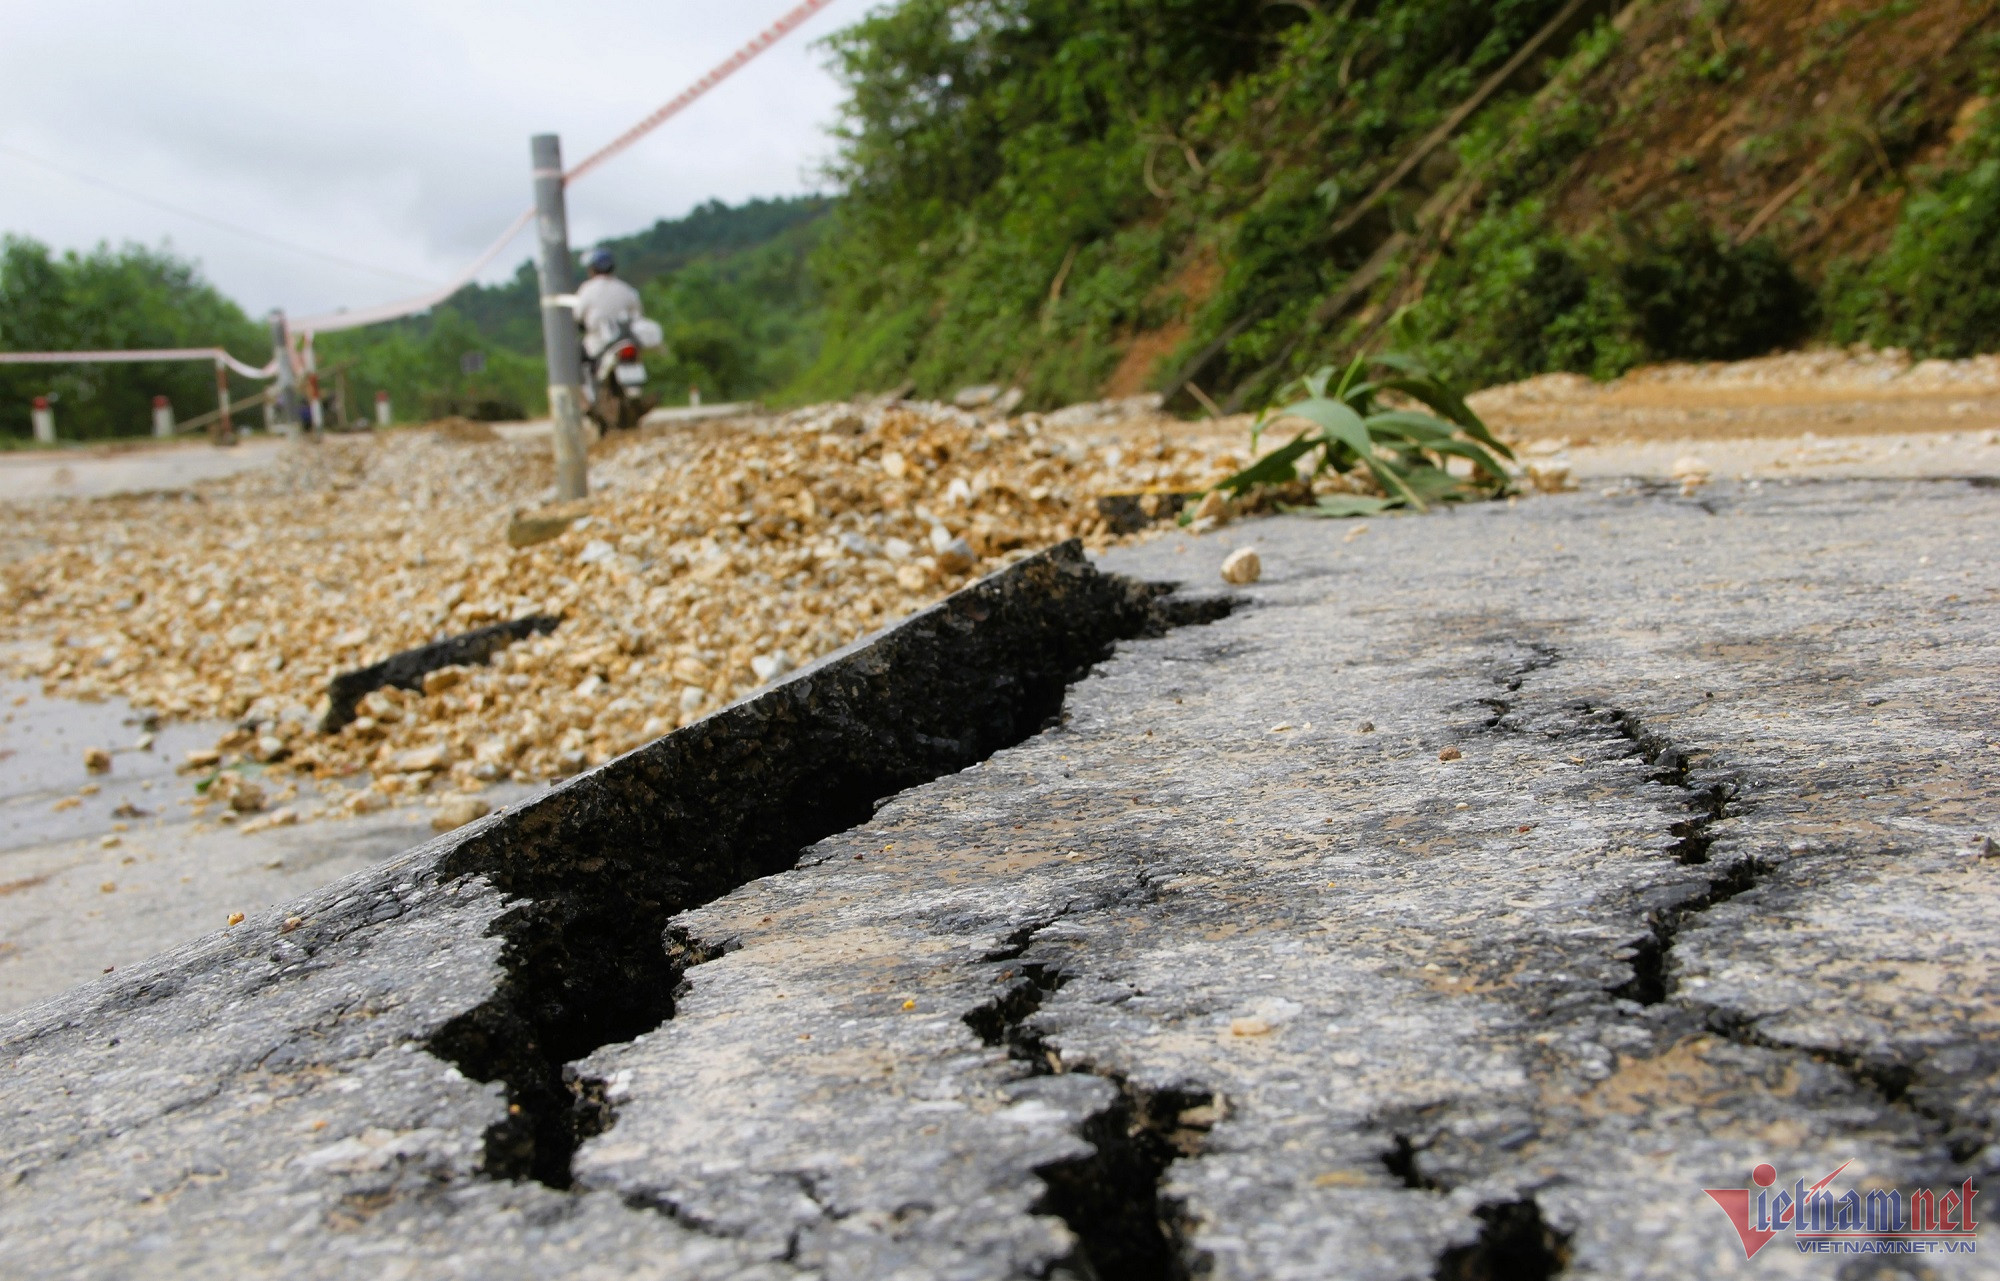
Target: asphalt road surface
141	470
1479	891
102	870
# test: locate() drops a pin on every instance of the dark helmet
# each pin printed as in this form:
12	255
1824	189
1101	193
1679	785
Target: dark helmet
601	262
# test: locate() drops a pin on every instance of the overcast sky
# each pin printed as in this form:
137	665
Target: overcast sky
390	132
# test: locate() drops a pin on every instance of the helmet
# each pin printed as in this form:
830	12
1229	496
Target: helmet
601	261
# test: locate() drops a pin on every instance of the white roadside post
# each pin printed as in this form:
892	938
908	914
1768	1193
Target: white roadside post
559	339
163	418
382	415
44	419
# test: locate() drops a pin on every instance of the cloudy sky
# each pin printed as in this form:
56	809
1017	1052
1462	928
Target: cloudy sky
392	133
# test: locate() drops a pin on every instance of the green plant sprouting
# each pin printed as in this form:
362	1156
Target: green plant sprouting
1404	452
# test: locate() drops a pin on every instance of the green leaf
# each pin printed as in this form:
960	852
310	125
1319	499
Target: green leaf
1274	468
1434	483
1341	424
1343	506
1480	458
1336	419
1450	405
1405	364
1409	425
1346	391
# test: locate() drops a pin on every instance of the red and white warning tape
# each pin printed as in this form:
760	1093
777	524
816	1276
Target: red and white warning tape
777	31
735	62
132	357
355	319
338	320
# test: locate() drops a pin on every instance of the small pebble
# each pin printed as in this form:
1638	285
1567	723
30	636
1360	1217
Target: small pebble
97	760
1451	754
1243	566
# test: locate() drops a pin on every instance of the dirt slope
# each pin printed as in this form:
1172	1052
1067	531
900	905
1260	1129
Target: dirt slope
1775	116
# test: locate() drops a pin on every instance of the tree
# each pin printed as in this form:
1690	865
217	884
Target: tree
130	297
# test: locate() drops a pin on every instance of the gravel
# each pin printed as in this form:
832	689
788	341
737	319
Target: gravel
711	560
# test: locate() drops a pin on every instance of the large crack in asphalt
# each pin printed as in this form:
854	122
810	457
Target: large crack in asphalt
1111	1198
1710	793
1514	1244
597	871
1708	802
1710	799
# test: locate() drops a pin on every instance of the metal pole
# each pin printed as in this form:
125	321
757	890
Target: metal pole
163	417
559	338
288	381
44	420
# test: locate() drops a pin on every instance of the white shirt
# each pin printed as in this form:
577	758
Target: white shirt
602	304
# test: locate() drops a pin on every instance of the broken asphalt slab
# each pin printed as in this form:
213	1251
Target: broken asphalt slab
1462	903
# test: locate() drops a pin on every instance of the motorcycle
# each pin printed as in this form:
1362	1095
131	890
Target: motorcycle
617	378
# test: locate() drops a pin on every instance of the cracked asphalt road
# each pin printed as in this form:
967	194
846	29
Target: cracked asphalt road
1479	891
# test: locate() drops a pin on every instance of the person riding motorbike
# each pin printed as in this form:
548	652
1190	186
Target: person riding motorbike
614	327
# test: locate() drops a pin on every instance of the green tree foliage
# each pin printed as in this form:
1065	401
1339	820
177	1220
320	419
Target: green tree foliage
1695	295
1514	298
1023	177
711	232
437	365
740	325
1936	290
126	298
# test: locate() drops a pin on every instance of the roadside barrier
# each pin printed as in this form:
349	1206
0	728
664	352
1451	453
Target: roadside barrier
294	337
222	430
216	354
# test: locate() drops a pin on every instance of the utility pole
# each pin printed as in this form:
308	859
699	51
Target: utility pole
559	340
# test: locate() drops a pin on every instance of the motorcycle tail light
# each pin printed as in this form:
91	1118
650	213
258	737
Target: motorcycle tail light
628	352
